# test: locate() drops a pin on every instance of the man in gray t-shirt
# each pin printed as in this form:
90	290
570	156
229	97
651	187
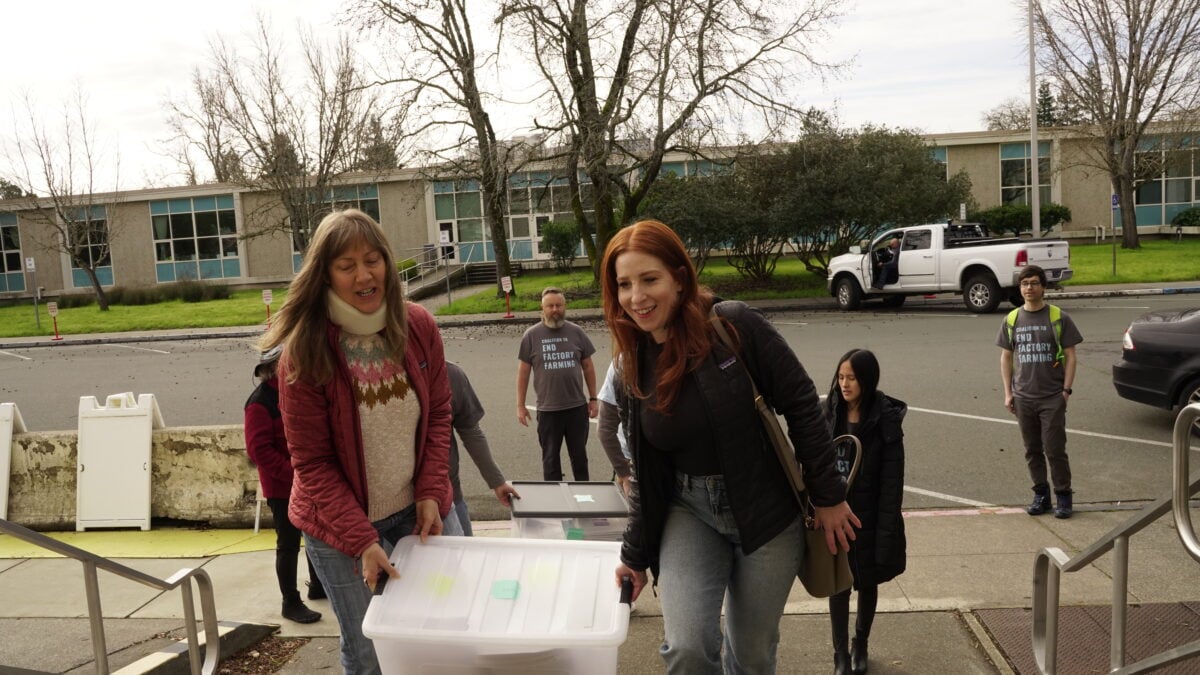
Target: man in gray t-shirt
1037	368
558	352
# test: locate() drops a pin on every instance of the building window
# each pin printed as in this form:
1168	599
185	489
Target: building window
365	198
1016	173
88	231
12	274
938	154
195	238
1158	200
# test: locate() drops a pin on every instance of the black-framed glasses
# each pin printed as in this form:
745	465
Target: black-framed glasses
1030	283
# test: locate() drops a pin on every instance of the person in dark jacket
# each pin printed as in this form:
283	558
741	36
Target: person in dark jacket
712	514
365	402
856	406
267	447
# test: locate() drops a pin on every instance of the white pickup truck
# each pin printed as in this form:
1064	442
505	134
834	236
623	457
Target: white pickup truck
941	258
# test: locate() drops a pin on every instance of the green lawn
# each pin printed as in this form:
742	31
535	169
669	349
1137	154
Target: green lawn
245	308
1159	260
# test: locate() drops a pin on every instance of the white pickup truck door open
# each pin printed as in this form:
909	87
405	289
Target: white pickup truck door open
918	263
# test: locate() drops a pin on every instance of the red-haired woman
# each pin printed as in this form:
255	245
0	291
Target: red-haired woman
713	516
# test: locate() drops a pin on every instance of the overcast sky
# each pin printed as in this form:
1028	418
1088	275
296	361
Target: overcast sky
931	65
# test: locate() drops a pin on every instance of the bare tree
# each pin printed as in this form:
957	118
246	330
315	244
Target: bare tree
64	165
1132	68
629	82
439	66
1010	114
256	127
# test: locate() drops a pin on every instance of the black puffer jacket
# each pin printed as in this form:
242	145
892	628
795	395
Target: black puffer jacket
759	495
878	553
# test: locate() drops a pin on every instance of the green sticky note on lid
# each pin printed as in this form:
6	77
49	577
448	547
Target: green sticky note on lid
505	589
575	533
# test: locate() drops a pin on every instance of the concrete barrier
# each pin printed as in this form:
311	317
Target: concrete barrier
199	474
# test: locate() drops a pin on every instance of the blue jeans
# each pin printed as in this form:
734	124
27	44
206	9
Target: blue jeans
464	518
349	596
702	566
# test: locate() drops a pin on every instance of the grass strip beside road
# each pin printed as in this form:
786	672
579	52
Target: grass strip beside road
1157	261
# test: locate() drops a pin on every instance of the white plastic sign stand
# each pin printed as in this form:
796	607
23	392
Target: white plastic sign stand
113	473
10	423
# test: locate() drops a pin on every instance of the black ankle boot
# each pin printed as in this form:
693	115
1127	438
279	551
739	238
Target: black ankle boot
841	663
316	591
296	610
1063	508
858	655
1041	501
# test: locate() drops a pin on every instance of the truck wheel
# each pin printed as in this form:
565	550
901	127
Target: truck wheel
982	294
894	301
849	295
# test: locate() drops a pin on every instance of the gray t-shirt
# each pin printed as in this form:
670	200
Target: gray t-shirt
1036	371
556	356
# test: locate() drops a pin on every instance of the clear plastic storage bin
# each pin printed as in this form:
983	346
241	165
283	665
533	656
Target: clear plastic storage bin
591	511
493	605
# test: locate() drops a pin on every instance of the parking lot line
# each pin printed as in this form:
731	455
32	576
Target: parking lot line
1078	432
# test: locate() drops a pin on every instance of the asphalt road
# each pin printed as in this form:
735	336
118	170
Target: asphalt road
962	447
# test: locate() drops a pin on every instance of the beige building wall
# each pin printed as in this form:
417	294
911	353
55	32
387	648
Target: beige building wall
37	239
265	257
982	164
131	244
1086	190
403	215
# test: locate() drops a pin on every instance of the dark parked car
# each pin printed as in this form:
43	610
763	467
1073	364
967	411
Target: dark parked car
1160	362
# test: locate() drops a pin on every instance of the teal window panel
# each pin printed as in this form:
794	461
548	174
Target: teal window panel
79	278
1149	215
468	186
368	191
938	154
159	208
443	206
539	178
8	219
1014	150
210	269
186	270
443	186
231	268
345	193
181	205
520	249
15	281
164	272
297	262
1043	148
519	180
204	203
472	252
1173	210
676	168
224	201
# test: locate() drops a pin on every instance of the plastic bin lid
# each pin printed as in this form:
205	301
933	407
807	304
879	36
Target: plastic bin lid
568	500
501	592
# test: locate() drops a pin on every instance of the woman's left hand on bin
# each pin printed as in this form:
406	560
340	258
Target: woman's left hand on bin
373	561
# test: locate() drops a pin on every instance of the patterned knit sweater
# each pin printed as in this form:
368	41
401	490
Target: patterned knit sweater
388	412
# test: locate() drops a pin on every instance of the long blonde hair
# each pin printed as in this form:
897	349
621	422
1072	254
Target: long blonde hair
301	322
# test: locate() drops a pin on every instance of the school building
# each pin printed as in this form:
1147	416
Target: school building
160	235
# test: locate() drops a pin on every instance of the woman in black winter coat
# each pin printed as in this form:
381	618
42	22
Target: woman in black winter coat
856	406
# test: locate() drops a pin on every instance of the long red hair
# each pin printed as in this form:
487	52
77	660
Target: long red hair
688	337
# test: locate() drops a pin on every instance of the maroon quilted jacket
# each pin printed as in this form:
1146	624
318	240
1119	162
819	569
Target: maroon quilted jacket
329	495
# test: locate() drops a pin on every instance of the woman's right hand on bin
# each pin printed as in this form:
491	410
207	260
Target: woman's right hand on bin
373	561
639	579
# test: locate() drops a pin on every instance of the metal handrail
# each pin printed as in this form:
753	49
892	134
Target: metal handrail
181	580
1051	563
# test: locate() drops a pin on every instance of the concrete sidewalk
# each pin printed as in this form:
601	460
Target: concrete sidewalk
961	607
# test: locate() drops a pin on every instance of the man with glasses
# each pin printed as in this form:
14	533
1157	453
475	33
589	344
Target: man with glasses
1037	368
